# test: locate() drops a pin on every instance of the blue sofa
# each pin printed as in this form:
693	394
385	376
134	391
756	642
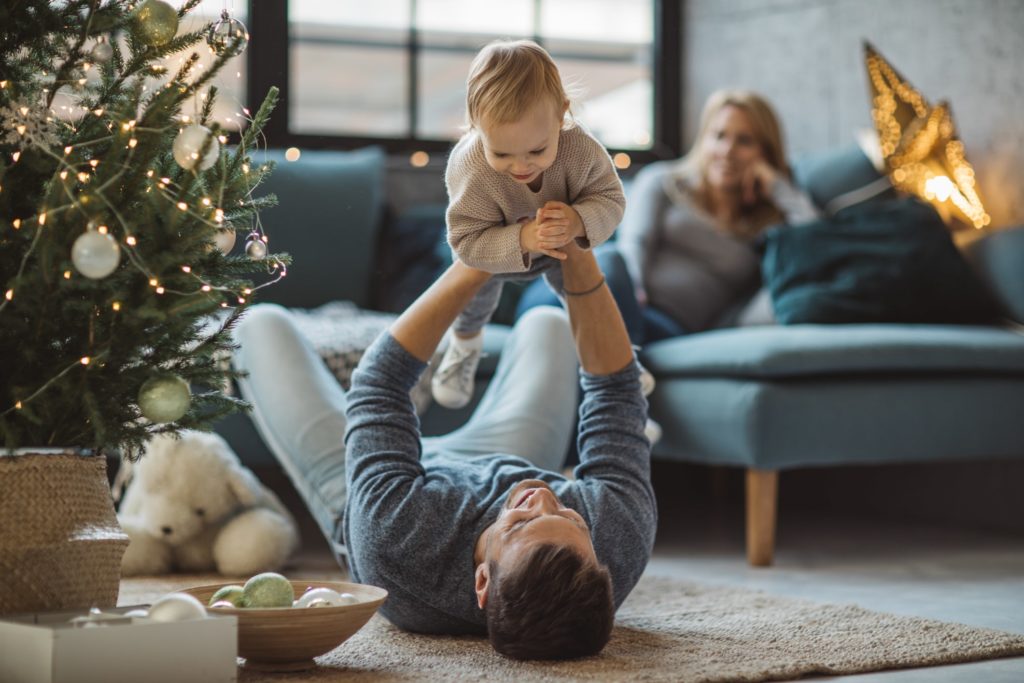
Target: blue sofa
765	399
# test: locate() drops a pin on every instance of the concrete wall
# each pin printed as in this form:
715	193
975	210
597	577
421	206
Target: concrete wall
806	57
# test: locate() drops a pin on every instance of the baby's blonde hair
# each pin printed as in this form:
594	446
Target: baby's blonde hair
506	78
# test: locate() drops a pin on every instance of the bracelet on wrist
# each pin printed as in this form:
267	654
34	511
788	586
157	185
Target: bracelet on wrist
586	291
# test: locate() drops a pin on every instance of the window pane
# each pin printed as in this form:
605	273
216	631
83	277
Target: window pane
620	21
230	80
442	93
615	100
393	14
344	89
504	18
349	67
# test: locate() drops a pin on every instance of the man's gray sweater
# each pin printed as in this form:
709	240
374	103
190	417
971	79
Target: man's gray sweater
411	523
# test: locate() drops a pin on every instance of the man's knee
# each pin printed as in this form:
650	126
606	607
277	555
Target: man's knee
550	321
263	321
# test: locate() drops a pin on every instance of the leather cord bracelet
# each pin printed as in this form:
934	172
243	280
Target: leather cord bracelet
586	291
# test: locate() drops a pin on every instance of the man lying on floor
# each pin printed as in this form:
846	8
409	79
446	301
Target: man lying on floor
465	537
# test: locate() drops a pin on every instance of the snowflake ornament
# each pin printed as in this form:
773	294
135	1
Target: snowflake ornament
25	126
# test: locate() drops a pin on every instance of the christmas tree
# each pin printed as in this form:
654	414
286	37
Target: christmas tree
118	216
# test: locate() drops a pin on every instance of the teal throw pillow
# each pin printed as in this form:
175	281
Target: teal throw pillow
890	261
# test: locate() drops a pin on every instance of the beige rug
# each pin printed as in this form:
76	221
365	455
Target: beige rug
668	630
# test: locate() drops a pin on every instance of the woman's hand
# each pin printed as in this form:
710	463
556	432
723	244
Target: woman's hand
758	180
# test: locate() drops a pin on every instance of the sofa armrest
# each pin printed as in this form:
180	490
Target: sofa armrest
998	259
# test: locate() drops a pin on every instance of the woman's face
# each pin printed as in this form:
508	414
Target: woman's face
729	146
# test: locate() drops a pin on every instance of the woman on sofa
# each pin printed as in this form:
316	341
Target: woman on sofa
686	253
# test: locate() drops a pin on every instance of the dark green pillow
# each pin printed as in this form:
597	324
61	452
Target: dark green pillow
329	212
891	261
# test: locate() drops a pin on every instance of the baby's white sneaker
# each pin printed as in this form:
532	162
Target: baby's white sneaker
452	383
652	430
646	381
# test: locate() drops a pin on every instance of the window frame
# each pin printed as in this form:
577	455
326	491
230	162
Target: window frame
268	65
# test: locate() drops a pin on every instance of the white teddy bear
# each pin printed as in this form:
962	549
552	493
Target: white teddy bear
191	506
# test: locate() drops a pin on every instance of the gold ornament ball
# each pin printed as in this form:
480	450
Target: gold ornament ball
225	240
156	22
165	398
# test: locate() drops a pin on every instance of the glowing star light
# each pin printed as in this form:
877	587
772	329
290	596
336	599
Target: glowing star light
918	142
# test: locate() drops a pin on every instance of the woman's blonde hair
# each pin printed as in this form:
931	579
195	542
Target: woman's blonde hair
506	78
688	182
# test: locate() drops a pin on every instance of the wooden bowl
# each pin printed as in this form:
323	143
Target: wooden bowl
288	638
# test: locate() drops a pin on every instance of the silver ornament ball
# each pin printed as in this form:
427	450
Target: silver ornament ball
189	143
255	248
164	398
156	22
95	254
228	36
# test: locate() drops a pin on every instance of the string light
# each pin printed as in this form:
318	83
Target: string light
84	360
116	305
9	294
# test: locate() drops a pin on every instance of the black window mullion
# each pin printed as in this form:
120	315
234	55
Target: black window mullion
667	79
267	60
414	72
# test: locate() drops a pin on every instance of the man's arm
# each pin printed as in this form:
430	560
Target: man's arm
602	343
420	328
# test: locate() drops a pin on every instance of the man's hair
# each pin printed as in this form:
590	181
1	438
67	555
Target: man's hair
506	78
553	605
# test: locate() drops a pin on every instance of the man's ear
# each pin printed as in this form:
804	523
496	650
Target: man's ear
483	580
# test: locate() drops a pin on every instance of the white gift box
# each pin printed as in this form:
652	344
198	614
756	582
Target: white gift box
51	648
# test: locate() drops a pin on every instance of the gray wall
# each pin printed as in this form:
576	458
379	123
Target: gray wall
806	57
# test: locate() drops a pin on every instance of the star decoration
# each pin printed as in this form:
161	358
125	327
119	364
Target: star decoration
922	153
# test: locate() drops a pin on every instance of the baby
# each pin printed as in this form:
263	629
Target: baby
524	181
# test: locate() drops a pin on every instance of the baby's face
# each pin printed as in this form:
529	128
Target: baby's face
524	149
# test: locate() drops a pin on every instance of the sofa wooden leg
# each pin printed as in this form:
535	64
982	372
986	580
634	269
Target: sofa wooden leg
762	501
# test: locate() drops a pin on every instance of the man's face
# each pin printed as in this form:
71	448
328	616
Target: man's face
531	516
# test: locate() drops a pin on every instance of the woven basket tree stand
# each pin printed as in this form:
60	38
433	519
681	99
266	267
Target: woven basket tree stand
60	542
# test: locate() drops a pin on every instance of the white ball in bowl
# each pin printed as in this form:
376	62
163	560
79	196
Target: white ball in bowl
177	607
328	596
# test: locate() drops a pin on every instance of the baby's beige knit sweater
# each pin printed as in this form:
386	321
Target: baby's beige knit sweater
487	209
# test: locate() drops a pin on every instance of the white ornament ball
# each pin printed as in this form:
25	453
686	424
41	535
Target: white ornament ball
327	596
190	142
177	607
164	398
348	599
95	254
255	247
102	52
137	613
225	240
224	604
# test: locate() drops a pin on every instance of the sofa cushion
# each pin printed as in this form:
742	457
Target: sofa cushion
329	212
780	352
835	173
998	258
412	254
888	261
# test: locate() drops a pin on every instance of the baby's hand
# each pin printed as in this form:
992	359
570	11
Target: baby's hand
531	241
559	224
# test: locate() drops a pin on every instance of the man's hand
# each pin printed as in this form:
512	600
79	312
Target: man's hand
532	239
